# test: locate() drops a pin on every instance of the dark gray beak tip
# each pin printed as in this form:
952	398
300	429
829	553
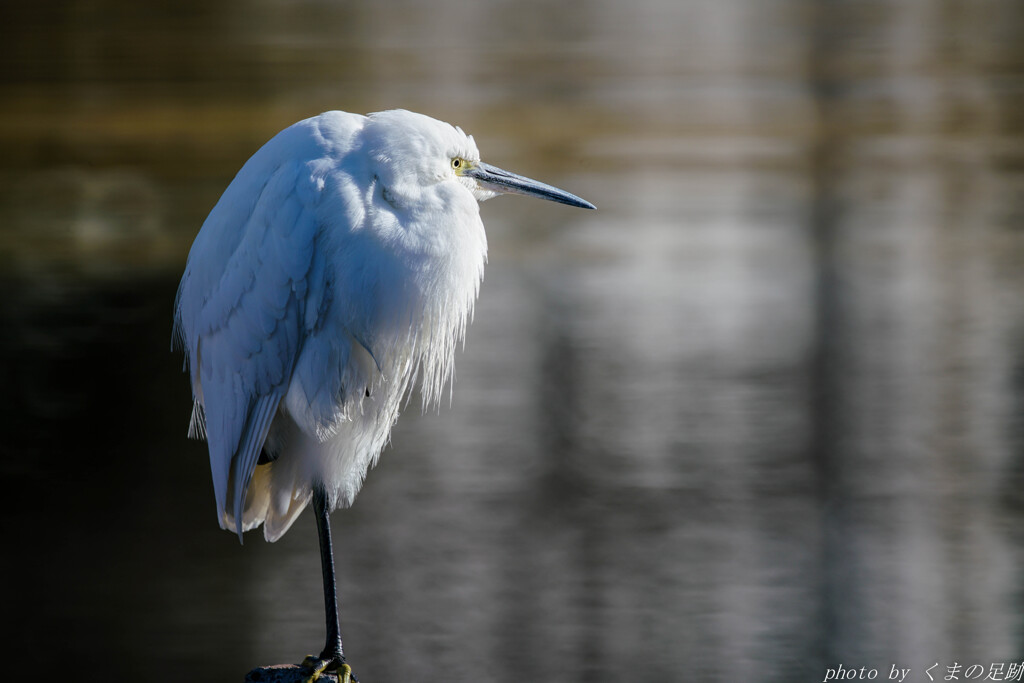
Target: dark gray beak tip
578	202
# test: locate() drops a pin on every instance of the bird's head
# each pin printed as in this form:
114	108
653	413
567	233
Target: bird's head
411	151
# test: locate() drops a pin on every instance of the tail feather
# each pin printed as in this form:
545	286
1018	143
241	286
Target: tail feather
275	506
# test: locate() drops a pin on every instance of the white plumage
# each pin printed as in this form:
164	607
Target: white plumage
340	263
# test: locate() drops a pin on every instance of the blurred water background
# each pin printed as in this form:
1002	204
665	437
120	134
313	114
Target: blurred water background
760	414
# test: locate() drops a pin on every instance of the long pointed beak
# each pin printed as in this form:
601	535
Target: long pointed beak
498	180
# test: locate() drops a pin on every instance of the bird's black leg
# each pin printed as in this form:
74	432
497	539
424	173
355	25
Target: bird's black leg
332	649
333	657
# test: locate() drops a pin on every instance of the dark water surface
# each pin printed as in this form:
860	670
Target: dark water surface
759	415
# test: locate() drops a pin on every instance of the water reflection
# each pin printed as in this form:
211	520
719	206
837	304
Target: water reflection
758	415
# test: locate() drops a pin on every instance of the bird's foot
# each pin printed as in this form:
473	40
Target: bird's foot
318	665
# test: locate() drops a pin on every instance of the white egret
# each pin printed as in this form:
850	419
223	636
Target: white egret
340	266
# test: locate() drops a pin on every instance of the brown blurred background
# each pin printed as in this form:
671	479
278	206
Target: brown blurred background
759	415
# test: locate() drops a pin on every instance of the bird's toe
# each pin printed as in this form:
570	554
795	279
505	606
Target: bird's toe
317	666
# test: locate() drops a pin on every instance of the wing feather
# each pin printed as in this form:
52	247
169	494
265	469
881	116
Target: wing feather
242	329
260	294
244	463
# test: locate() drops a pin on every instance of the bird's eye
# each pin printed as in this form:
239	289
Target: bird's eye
457	163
